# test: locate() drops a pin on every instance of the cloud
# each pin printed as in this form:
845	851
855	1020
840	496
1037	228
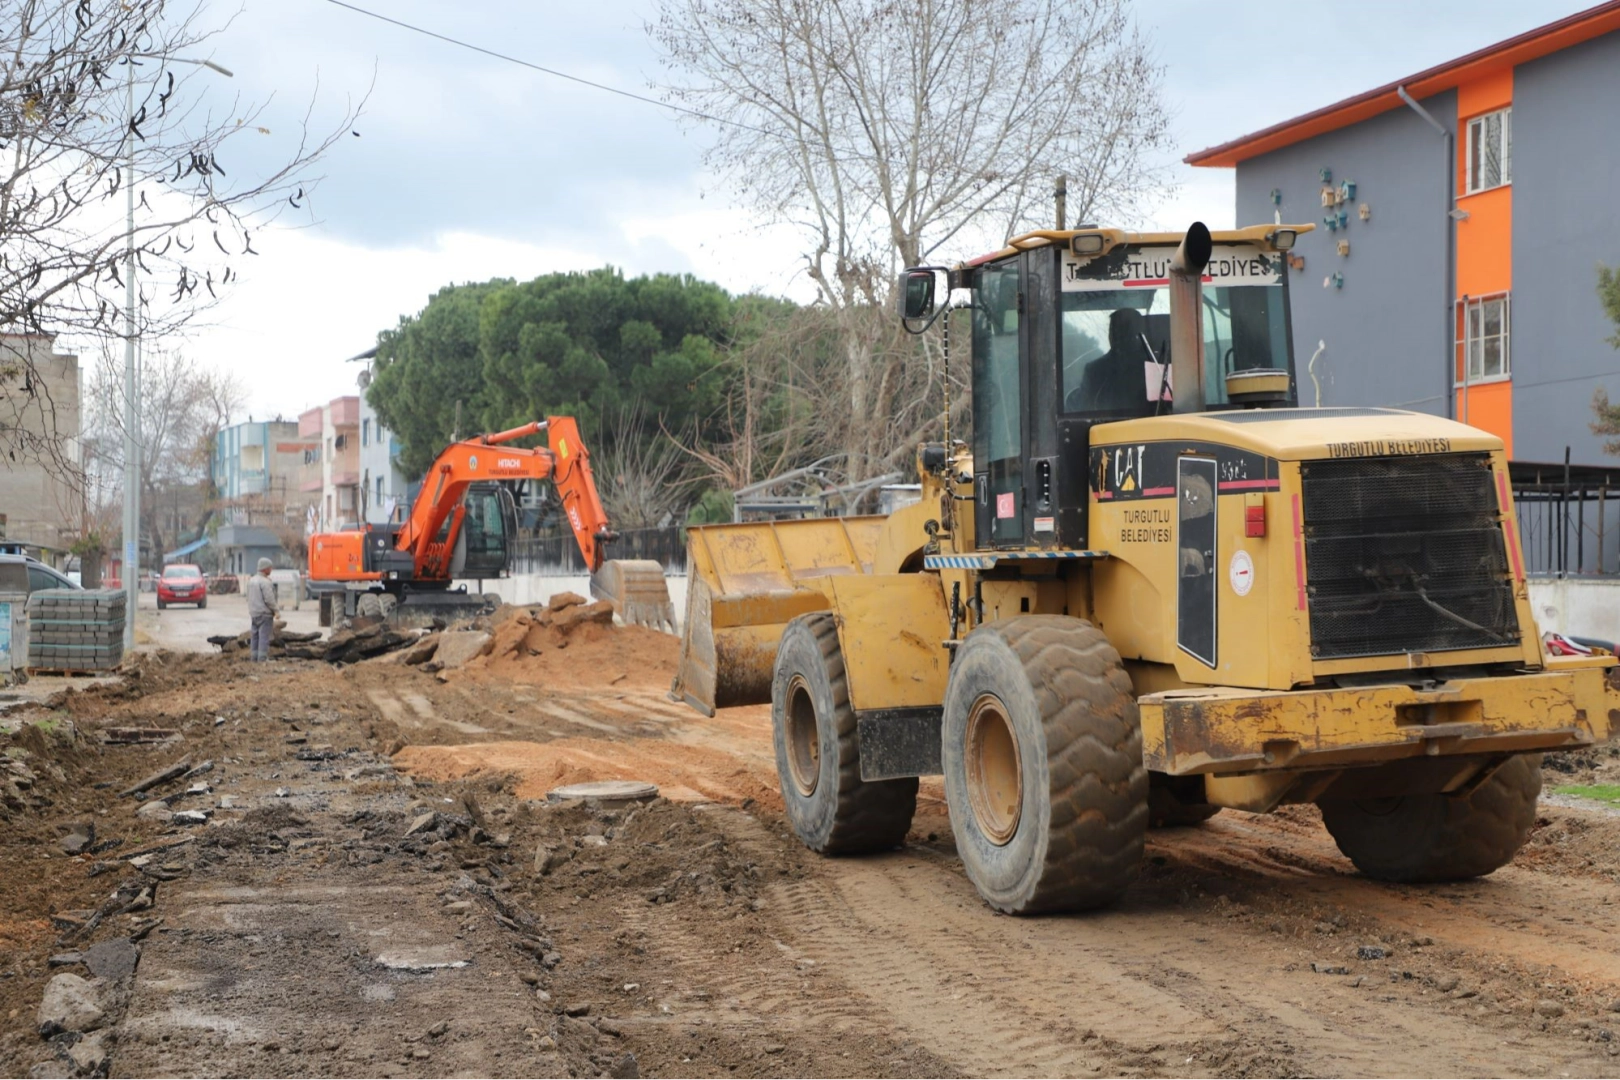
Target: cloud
469	168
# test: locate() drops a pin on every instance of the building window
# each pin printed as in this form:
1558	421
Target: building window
1490	151
365	433
379	490
1486	326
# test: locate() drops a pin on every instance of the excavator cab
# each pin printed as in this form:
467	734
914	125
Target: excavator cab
488	523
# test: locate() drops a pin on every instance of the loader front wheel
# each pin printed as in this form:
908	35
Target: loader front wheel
1042	749
1436	837
818	759
368	606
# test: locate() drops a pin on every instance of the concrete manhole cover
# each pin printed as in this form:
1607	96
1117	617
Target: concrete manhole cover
606	792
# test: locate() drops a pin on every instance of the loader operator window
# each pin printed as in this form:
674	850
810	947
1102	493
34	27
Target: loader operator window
998	410
1116	345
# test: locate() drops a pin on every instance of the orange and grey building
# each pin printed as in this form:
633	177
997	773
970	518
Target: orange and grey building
1462	214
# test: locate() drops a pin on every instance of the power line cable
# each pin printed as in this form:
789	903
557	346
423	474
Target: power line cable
558	74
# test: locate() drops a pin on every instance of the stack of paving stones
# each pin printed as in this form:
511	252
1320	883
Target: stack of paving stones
75	629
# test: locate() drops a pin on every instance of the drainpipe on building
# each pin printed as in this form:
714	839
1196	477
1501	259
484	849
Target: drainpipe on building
1451	254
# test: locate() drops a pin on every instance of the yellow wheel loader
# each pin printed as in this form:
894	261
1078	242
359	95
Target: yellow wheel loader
1150	587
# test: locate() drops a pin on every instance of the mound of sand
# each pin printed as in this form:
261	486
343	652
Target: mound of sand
682	773
572	644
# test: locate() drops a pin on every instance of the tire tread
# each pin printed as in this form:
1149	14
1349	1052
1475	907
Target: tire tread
871	815
1474	835
1098	791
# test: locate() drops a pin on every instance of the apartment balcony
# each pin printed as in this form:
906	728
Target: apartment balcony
252	481
309	423
345	411
345	479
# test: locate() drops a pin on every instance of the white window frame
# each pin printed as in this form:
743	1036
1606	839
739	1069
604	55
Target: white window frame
1478	135
1473	343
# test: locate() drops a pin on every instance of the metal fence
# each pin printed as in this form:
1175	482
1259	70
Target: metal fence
560	554
1568	526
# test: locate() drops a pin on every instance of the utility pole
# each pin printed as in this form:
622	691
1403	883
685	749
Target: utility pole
132	484
132	411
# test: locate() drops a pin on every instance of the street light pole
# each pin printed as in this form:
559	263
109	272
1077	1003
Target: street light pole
132	485
132	410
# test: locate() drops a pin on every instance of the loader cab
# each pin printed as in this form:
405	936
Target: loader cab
1074	332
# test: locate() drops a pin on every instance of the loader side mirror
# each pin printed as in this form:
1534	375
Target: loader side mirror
918	289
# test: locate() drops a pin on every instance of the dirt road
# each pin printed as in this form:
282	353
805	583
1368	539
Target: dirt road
379	890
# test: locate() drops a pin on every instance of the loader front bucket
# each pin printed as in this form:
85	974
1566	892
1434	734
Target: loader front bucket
637	591
744	584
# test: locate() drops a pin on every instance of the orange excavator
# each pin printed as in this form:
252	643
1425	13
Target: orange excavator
461	527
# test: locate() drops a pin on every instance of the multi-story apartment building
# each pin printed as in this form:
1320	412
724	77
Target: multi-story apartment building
385	493
258	473
1461	216
40	450
331	469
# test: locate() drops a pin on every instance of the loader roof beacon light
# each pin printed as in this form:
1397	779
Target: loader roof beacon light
1105	612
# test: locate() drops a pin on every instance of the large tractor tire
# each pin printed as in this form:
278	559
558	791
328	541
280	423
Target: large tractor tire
1174	802
369	606
818	758
1424	838
1042	748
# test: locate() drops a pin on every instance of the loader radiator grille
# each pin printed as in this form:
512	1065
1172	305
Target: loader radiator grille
1405	555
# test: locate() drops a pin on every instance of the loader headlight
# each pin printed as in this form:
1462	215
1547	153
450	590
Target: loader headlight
1087	244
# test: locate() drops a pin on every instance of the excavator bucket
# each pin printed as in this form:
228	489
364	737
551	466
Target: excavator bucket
637	591
745	583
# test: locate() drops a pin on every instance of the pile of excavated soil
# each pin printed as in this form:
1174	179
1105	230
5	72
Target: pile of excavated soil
572	645
683	773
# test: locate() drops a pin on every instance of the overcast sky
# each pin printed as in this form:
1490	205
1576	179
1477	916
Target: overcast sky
467	168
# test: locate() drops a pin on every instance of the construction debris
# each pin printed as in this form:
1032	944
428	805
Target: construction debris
174	771
366	638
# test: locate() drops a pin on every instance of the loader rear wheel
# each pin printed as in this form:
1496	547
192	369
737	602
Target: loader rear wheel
818	759
1042	748
1432	837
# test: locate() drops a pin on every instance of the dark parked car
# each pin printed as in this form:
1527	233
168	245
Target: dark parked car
21	573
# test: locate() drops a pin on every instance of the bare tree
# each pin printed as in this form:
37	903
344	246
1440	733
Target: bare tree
84	84
183	406
887	129
641	475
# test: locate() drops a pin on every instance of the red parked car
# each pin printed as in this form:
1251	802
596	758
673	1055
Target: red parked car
182	583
